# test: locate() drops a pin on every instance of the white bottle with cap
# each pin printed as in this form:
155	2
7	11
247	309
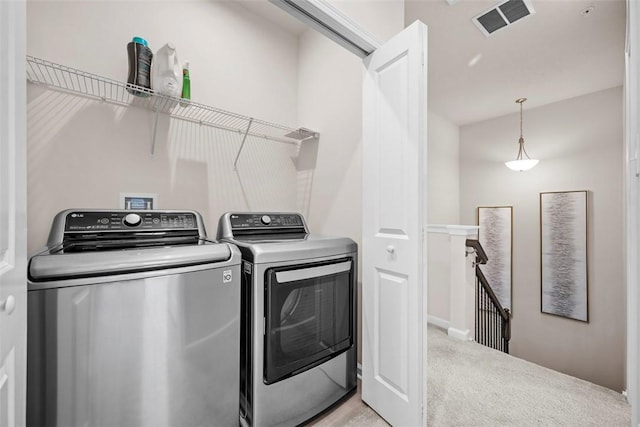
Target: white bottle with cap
166	72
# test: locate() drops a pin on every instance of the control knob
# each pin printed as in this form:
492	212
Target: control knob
266	219
132	220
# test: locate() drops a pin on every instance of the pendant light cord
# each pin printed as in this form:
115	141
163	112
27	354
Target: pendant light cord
521	140
523	162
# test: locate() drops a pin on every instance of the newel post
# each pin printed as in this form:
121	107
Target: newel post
461	279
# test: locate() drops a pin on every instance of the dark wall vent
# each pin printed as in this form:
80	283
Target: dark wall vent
503	15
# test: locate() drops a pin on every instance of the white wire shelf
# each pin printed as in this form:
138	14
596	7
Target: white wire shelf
67	79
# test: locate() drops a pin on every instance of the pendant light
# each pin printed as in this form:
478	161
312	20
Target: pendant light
521	163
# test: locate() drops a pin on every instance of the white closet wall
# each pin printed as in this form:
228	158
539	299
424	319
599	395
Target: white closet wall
83	153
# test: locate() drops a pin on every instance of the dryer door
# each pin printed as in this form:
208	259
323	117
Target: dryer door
309	316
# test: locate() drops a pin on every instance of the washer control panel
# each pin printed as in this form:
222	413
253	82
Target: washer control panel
92	221
266	221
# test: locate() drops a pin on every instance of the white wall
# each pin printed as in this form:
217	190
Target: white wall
579	143
83	154
443	171
329	91
443	195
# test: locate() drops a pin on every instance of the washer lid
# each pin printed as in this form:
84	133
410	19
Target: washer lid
59	266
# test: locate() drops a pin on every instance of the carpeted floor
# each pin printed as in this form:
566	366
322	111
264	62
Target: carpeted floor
472	385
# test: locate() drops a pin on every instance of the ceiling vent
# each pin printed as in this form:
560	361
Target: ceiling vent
503	15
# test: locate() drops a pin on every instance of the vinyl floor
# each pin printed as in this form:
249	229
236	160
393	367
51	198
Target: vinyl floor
352	412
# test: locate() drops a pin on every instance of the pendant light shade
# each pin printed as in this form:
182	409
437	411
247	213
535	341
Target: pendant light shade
522	162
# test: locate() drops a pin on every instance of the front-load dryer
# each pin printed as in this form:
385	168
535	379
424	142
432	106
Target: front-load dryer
298	328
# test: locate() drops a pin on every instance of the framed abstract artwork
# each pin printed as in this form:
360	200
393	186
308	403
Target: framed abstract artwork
563	254
495	236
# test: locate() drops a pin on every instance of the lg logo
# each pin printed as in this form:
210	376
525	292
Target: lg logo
226	276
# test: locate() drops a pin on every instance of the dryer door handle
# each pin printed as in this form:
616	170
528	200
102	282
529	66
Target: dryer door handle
312	272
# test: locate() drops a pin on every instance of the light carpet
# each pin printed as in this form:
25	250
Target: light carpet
469	385
472	385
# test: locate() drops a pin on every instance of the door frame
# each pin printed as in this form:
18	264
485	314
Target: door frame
632	208
330	21
13	213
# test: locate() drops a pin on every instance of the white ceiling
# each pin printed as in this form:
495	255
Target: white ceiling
555	54
274	14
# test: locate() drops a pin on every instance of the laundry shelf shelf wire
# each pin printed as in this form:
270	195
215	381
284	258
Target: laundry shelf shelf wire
78	82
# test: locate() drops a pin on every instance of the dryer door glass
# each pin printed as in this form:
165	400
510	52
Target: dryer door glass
309	316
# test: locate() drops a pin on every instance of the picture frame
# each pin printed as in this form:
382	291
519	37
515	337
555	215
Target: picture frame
564	284
495	234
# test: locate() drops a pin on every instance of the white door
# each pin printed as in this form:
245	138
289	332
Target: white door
394	210
13	237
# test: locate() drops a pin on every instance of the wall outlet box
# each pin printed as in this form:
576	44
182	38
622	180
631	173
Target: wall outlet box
138	202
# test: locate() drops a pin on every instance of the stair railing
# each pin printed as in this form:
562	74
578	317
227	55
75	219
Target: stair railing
493	322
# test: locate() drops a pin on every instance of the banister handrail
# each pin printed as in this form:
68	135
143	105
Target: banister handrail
484	312
494	299
481	255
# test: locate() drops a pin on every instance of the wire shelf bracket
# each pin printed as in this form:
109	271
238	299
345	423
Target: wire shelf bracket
244	139
80	83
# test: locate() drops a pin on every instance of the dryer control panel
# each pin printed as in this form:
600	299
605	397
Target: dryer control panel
266	220
265	224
